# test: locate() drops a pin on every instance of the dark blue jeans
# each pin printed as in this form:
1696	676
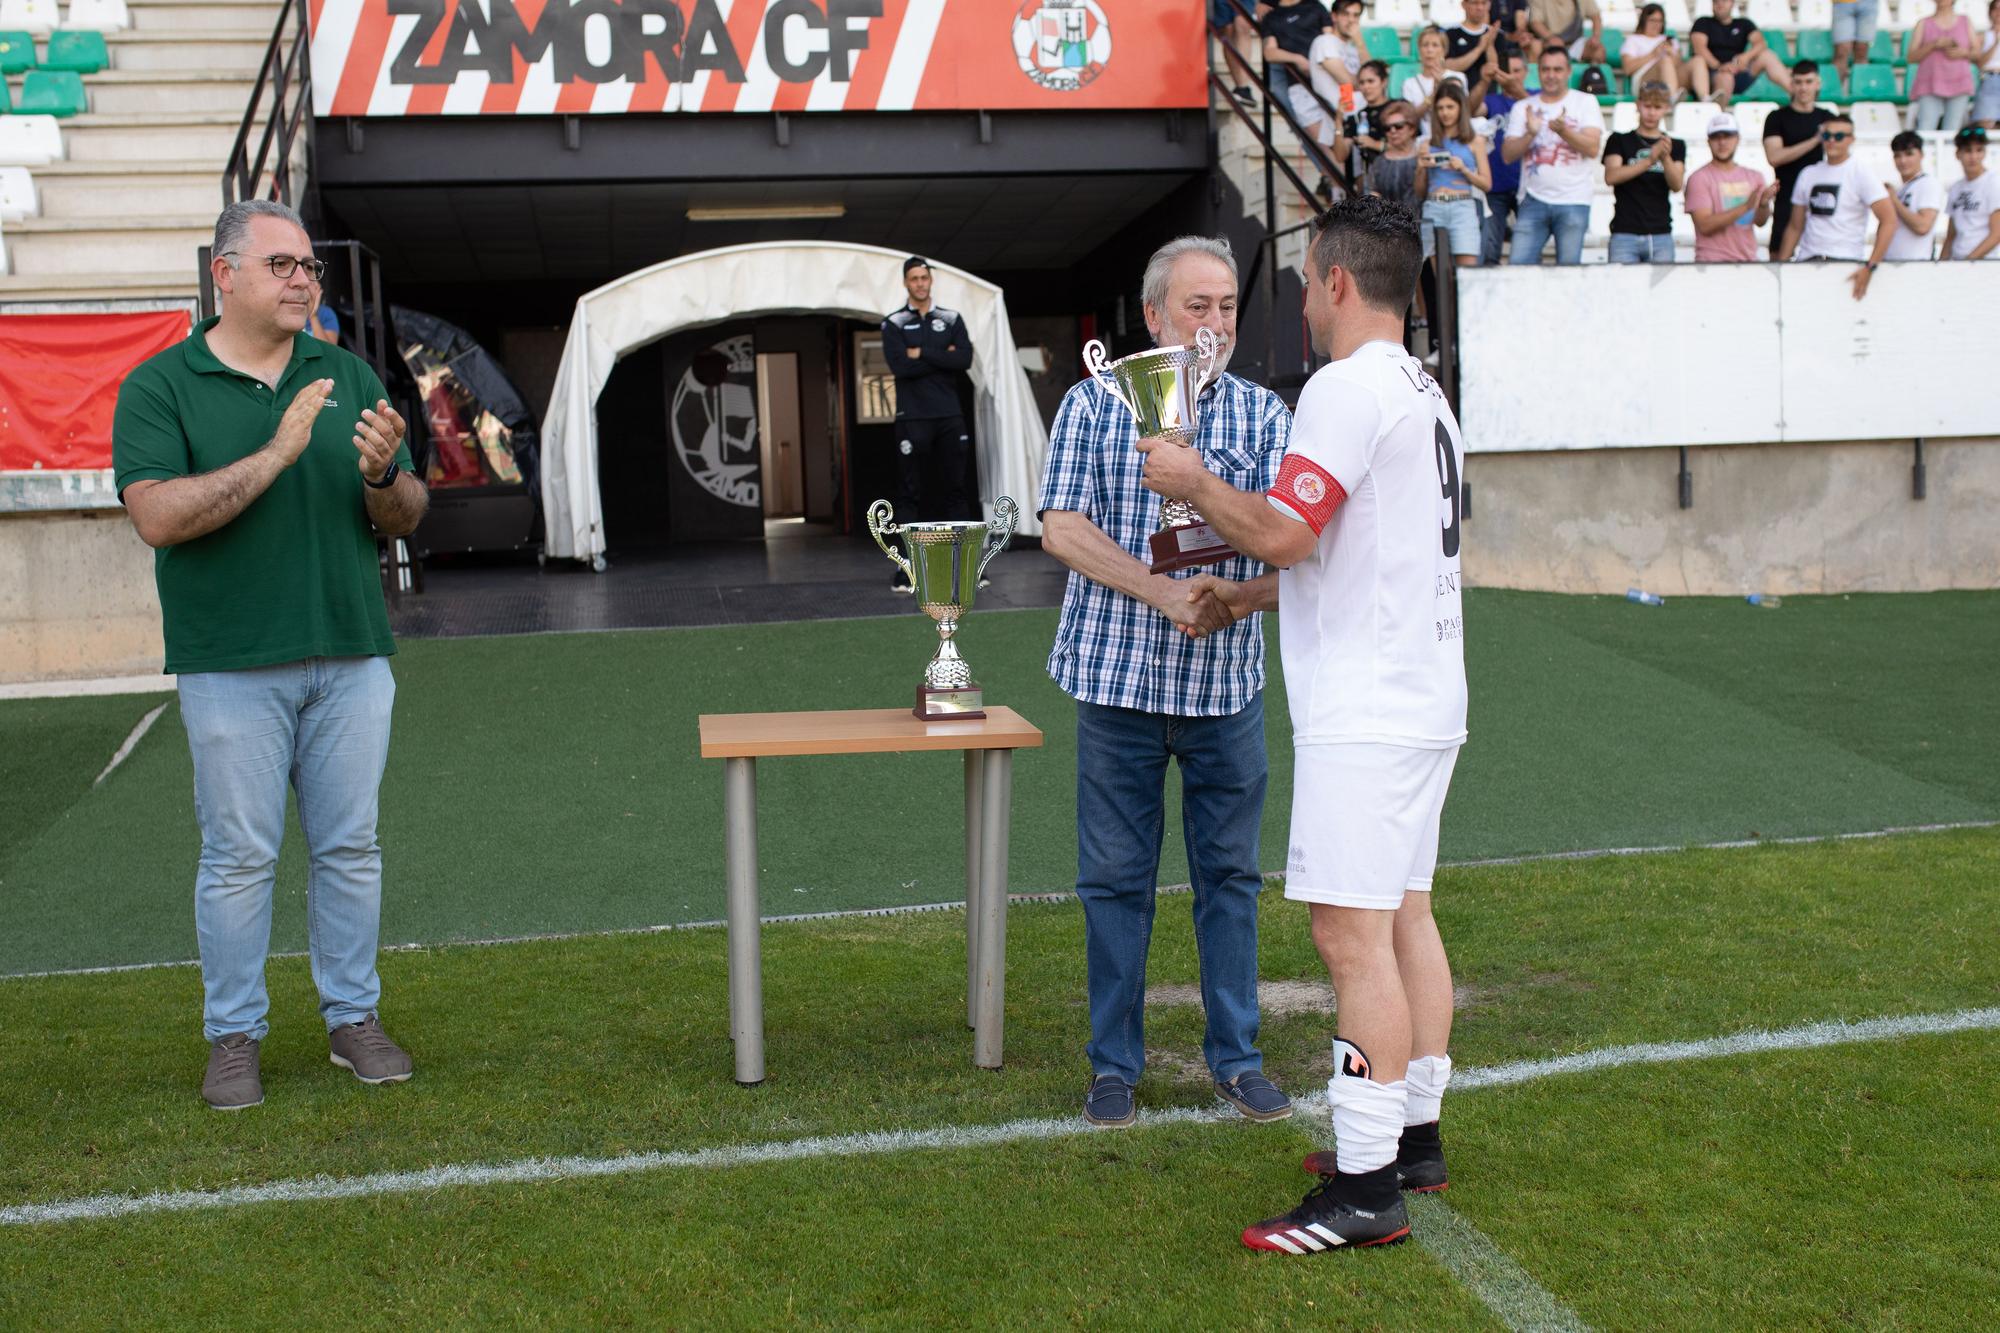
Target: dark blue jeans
1121	772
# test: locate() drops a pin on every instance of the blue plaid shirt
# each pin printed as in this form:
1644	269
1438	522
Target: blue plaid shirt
1111	649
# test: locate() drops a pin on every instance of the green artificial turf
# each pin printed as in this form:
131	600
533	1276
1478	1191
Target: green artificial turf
1775	1191
551	783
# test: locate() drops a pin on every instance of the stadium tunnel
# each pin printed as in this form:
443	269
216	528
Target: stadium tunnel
1040	184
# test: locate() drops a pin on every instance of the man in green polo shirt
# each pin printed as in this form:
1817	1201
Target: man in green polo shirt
259	463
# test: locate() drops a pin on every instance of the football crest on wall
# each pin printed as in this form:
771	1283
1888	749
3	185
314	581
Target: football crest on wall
1062	44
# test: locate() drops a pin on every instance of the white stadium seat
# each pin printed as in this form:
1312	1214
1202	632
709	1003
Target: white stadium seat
28	15
1679	20
1447	13
1691	120
1624	117
1751	116
1815	14
1876	122
17	194
29	141
1401	15
98	15
1773	15
1900	15
1601	208
3	253
1981	20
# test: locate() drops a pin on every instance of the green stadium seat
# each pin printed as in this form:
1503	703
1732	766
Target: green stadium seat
1614	44
6	102
1887	50
81	52
1402	69
53	93
1874	83
17	52
1764	90
1383	44
1816	45
1779	44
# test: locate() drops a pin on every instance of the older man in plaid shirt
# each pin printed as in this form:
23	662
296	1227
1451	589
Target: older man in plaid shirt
1160	673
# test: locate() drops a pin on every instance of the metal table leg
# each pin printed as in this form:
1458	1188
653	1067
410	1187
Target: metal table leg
975	769
996	810
746	966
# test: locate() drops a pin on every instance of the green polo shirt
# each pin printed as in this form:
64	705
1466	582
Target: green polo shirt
295	574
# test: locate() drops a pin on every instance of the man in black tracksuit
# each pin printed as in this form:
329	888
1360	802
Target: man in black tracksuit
927	347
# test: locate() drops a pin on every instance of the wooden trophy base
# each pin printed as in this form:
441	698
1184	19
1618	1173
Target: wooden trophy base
1188	545
961	705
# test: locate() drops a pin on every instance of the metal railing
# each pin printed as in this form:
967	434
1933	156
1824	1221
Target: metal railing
285	78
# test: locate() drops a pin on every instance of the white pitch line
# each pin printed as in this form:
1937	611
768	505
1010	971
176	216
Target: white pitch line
138	733
1481	1267
1834	1032
545	1169
1013	900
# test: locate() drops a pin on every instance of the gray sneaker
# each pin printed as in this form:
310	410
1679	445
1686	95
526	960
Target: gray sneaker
366	1049
232	1082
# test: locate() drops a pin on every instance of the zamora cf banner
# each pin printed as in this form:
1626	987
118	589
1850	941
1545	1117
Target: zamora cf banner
569	57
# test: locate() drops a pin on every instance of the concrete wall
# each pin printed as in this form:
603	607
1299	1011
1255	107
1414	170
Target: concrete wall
76	597
1776	518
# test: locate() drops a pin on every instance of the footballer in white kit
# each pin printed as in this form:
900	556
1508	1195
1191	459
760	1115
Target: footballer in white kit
1364	523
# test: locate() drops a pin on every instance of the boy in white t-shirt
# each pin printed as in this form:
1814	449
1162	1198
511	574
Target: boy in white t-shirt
1974	206
1831	204
1556	135
1364	521
1917	200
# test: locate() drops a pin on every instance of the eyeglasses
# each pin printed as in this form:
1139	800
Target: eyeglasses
283	266
1834	136
1393	125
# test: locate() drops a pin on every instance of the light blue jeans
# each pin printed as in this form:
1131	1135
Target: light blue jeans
1941	113
1539	220
1121	774
320	726
1627	248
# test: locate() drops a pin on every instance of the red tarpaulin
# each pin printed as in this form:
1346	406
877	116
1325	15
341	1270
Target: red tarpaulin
59	378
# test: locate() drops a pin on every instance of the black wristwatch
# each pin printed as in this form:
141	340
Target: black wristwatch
1870	265
388	478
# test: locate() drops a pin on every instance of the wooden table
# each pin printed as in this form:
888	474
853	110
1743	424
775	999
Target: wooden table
740	739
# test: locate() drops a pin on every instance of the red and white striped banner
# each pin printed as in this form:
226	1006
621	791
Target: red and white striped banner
577	57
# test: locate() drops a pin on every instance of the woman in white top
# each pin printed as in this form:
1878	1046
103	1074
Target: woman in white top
1420	87
1986	103
1649	54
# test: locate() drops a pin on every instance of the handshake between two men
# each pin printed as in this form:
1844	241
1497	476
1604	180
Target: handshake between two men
1207	602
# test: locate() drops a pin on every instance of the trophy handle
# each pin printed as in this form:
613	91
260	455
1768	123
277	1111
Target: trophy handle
1097	365
1208	347
1006	515
879	515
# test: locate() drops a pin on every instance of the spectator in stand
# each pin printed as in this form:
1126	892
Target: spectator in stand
1508	79
1973	228
1454	168
1727	202
1395	173
1729	54
1830	208
1511	17
1289	27
1986	106
1853	32
1420	87
1917	200
1242	35
1336	59
1648	56
1940	46
1791	141
1644	168
1361	140
1472	47
1557	132
1573	25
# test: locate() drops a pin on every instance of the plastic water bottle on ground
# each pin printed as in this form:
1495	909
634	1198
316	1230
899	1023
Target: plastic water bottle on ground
1644	598
1765	600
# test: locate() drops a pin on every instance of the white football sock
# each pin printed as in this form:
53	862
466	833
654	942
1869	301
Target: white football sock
1367	1116
1427	1078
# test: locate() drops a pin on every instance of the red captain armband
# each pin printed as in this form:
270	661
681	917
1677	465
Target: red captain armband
1308	491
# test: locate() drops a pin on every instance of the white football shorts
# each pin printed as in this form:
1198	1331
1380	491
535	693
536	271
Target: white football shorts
1365	822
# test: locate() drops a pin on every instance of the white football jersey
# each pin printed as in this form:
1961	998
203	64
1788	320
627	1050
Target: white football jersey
1371	624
